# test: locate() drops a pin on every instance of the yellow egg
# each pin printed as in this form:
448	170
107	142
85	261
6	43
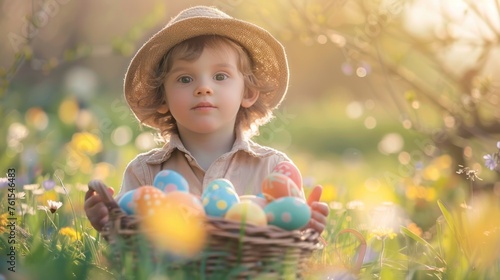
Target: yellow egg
262	202
247	212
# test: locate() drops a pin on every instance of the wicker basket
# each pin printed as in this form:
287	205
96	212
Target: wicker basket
249	251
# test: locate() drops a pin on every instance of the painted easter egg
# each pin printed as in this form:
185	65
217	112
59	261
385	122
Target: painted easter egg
189	205
127	203
247	212
169	181
291	171
218	201
289	213
277	185
147	199
217	184
176	226
259	200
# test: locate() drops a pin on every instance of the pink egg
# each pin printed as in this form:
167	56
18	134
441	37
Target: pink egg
290	170
277	185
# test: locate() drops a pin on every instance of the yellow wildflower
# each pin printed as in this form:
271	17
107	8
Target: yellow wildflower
3	222
86	143
70	233
382	233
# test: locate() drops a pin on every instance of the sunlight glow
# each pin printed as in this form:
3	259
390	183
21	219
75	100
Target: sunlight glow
354	110
391	143
466	22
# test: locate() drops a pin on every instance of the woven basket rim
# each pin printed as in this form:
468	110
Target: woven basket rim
120	223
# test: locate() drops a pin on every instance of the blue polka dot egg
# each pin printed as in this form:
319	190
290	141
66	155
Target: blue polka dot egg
289	213
217	184
169	181
126	203
218	197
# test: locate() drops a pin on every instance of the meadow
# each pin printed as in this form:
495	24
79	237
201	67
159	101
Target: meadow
399	125
430	225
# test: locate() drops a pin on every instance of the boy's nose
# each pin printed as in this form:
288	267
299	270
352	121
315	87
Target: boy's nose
203	90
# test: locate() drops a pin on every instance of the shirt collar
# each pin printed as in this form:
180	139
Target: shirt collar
241	143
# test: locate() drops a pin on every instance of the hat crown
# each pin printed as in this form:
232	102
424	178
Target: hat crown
198	11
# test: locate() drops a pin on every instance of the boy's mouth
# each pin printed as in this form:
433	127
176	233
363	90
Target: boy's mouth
203	105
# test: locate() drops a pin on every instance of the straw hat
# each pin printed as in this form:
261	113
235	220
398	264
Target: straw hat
267	54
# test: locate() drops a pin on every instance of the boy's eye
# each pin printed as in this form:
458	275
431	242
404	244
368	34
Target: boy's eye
220	77
185	79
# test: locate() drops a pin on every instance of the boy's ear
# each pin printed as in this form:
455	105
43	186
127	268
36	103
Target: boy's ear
249	98
162	109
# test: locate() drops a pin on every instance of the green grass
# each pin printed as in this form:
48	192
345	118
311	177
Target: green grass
412	221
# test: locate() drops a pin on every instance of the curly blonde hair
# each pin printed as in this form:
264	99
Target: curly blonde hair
248	119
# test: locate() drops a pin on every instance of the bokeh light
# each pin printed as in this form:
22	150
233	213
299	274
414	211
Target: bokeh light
370	122
145	141
68	111
354	110
391	143
102	171
37	118
361	72
81	82
16	133
84	119
121	135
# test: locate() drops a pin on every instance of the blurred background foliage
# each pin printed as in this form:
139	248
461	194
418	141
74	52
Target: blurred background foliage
386	99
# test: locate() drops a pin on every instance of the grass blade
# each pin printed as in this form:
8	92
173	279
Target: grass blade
422	241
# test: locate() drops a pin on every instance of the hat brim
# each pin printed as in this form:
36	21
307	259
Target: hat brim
267	54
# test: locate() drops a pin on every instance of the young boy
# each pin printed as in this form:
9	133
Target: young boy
207	82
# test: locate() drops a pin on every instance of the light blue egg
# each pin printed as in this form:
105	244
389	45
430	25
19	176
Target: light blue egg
127	203
217	184
218	201
289	213
169	181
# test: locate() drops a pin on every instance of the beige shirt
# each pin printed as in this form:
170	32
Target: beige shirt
246	166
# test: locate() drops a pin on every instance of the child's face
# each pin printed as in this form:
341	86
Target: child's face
204	95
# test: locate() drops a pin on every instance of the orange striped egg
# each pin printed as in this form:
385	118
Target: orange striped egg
277	185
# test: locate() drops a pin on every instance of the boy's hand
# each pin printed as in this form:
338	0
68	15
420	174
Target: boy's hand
319	210
96	211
